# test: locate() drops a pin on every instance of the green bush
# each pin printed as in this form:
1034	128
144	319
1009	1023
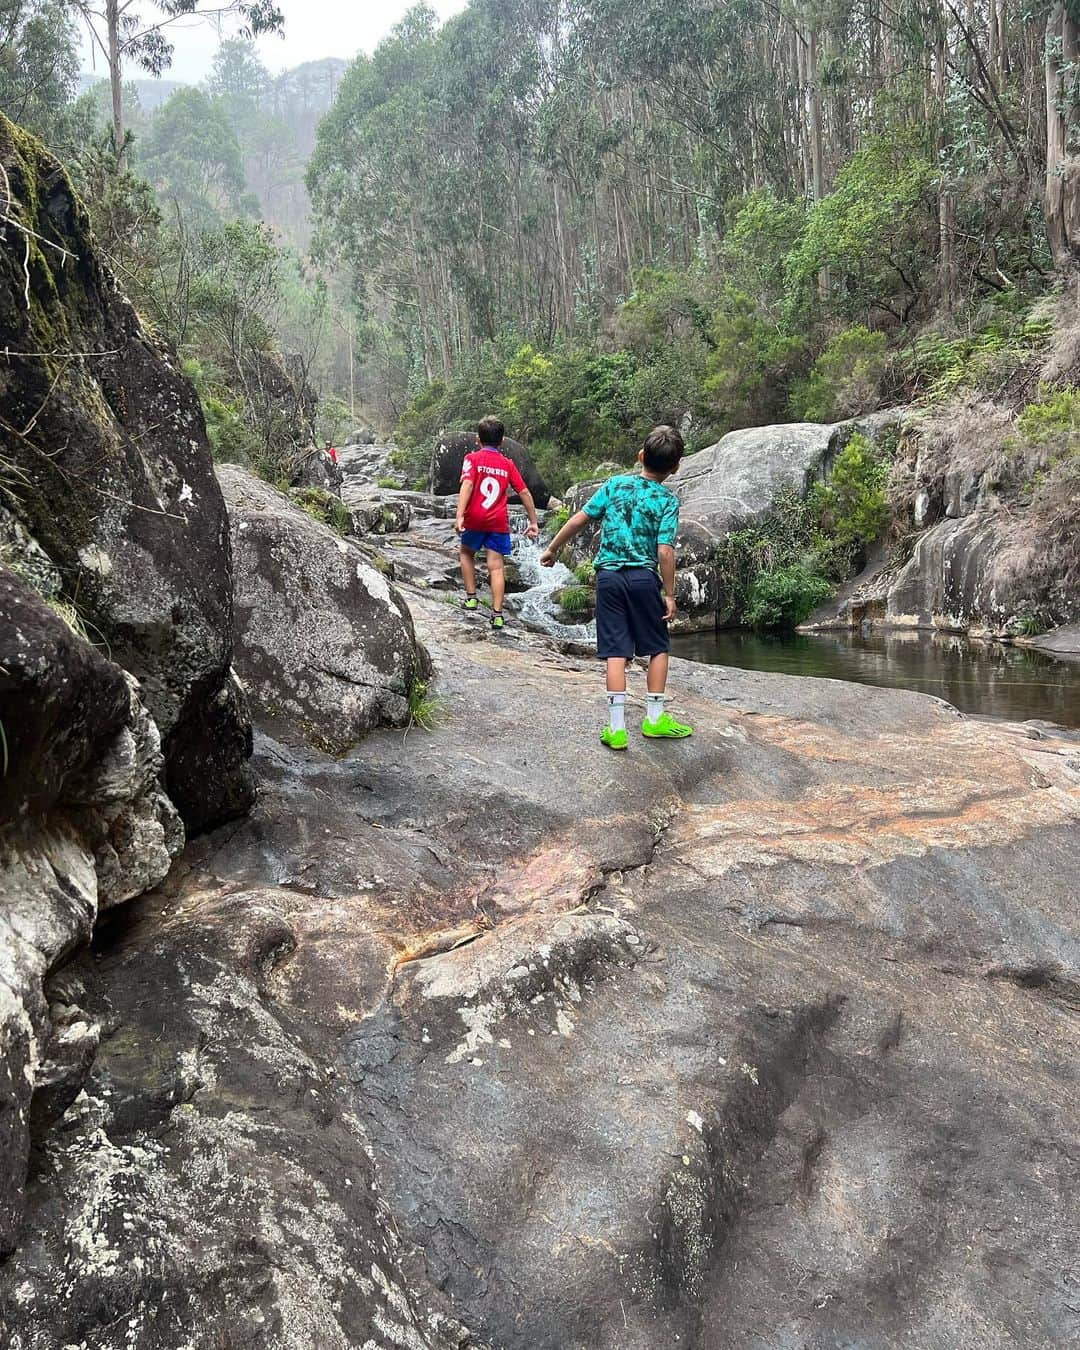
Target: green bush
1031	625
585	574
785	596
387	483
940	366
874	235
844	380
324	507
555	520
574	599
853	508
1054	415
751	363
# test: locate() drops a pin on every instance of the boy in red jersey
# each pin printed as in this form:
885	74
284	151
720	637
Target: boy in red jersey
483	518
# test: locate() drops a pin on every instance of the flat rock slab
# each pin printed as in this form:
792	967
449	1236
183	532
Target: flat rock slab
761	1039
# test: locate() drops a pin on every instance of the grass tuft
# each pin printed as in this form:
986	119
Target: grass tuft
426	710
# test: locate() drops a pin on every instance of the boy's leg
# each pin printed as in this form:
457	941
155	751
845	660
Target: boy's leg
655	684
657	722
616	694
498	579
612	635
656	679
468	569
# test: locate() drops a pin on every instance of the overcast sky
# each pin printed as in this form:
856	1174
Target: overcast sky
313	29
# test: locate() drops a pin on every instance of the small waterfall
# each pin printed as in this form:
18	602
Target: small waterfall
537	606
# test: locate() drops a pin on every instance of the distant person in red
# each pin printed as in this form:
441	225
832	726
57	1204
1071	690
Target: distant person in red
483	518
331	453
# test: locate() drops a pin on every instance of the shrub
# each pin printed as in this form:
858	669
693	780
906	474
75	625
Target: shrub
324	507
844	380
555	521
426	710
585	573
874	233
853	508
1031	625
751	363
388	483
1056	414
940	366
785	596
574	599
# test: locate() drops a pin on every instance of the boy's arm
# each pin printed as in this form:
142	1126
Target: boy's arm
463	501
665	557
530	507
574	525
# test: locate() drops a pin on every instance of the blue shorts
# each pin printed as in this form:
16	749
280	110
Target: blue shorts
630	613
494	543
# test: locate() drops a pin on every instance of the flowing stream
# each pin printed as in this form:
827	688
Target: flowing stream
537	606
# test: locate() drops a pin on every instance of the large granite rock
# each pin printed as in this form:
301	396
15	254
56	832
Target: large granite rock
980	557
114	479
323	641
736	481
762	1039
84	824
451	449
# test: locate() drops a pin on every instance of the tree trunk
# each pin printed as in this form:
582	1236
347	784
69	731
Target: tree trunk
1062	169
112	20
817	155
946	197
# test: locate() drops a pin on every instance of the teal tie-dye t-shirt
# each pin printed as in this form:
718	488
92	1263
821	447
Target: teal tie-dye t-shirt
636	516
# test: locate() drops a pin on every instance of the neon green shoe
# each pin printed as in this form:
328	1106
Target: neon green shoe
471	603
666	726
497	622
614	740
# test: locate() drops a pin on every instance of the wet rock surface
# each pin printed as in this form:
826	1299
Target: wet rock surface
762	1039
84	824
114	478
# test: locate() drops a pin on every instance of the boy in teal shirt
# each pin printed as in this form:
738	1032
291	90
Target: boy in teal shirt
639	519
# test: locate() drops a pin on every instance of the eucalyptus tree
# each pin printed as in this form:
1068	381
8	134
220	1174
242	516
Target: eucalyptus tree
136	32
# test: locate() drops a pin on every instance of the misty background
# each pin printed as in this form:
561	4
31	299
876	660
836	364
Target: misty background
313	29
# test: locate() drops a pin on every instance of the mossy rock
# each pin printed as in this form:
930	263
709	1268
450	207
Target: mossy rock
324	507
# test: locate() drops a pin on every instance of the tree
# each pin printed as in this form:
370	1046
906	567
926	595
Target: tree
39	66
124	33
1062	108
192	157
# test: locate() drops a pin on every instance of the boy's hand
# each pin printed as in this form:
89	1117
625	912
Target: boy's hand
547	558
533	532
459	524
669	608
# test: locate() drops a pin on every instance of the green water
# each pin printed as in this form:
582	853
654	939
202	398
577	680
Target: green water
986	679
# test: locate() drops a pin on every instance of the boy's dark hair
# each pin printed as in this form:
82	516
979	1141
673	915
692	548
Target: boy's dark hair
663	449
491	432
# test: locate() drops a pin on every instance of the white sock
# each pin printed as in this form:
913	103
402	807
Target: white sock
654	706
616	711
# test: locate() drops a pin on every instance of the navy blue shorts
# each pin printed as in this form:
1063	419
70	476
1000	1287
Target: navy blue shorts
494	543
630	613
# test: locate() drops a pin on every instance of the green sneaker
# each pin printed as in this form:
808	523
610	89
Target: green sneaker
665	725
471	603
614	740
497	622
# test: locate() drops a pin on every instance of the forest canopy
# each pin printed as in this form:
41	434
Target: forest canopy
723	197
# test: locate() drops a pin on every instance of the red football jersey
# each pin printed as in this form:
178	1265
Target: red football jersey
493	475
